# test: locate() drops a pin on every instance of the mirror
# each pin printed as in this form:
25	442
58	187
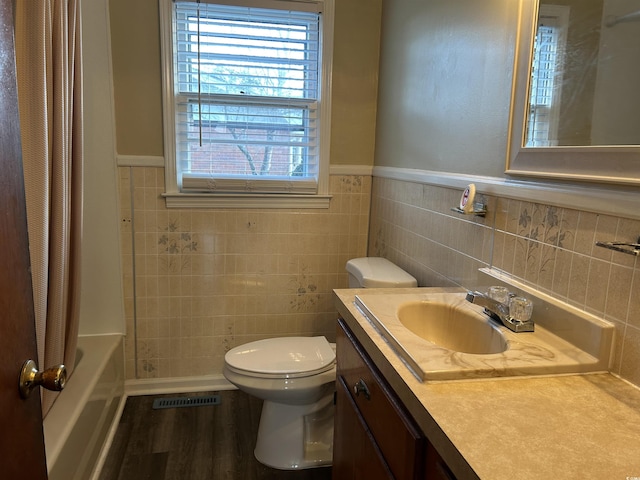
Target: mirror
576	102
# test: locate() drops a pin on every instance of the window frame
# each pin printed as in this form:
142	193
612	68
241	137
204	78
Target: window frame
174	197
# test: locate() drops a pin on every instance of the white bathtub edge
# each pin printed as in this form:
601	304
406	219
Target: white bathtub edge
81	392
80	420
106	446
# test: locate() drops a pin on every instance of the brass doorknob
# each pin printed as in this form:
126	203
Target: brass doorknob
53	378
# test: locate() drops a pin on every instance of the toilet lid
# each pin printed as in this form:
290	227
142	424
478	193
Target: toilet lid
282	356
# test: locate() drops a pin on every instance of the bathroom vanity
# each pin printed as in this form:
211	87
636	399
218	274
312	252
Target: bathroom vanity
391	424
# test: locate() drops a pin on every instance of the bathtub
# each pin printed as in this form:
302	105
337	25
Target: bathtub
78	424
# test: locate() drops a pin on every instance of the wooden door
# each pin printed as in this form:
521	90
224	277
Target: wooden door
22	452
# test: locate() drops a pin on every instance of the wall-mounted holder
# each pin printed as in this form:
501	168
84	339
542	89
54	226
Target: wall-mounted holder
624	247
479	210
467	204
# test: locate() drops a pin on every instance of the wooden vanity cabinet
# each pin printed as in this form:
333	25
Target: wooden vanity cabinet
375	437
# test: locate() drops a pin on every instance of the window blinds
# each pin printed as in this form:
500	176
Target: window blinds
543	81
246	86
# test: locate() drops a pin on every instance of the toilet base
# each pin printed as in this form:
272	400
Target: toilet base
292	437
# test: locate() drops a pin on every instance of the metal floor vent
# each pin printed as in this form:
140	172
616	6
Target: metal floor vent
177	402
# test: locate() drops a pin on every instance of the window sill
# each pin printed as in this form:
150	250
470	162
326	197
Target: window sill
256	201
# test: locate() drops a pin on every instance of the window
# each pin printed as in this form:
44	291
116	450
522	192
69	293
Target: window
246	106
546	76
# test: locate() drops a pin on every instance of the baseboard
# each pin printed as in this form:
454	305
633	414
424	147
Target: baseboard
159	386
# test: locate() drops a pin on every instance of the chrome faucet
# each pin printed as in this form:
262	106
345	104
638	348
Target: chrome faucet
503	311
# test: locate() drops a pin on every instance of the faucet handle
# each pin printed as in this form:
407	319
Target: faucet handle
499	294
520	309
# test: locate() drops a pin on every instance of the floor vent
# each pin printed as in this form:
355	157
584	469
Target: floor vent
177	402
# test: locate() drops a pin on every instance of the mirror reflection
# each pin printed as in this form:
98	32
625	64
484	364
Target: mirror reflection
585	75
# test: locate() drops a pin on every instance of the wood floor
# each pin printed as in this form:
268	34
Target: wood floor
194	443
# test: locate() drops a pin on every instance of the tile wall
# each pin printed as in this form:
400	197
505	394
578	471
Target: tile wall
550	248
201	281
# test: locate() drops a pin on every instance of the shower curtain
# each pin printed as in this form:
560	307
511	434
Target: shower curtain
49	70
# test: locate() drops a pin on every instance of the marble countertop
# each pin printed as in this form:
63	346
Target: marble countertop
546	427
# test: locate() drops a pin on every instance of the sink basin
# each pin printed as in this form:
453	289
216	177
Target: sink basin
452	327
440	336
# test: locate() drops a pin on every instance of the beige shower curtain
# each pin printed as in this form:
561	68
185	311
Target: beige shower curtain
48	58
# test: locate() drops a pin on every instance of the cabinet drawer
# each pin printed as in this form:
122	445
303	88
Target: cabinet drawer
400	440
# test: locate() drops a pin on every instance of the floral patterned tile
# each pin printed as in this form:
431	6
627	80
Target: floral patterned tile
208	280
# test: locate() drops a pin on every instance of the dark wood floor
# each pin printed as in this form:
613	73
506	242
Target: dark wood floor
194	443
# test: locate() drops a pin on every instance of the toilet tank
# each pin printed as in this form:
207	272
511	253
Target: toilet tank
377	272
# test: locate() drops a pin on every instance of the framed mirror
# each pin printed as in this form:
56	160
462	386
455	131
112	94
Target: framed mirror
575	108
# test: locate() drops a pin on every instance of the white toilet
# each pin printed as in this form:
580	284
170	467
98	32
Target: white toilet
295	376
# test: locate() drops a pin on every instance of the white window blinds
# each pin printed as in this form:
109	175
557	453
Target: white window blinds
543	85
546	76
247	92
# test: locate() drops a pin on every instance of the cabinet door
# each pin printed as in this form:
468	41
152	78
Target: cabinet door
355	454
435	468
394	431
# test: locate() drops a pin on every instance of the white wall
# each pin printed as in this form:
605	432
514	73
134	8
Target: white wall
102	309
445	85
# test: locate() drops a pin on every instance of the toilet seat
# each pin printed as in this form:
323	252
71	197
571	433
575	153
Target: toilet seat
285	357
294	375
